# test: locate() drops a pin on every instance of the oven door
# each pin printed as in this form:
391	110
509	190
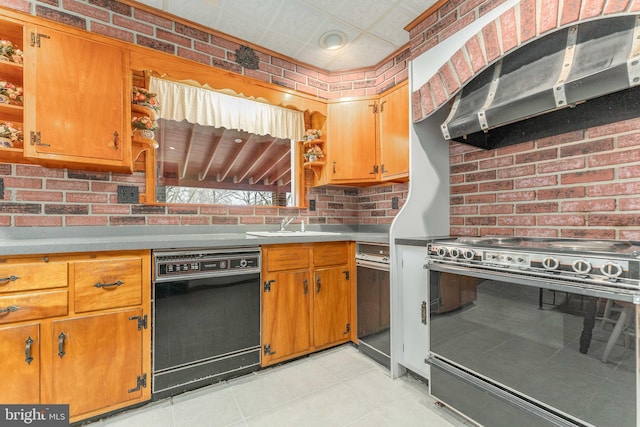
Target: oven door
373	307
533	349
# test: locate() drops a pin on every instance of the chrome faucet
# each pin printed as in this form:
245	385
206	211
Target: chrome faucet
286	221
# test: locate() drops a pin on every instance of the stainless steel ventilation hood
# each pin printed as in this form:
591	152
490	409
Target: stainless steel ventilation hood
571	79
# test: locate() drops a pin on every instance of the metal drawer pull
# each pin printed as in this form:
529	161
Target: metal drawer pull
109	285
11	278
27	351
9	309
61	338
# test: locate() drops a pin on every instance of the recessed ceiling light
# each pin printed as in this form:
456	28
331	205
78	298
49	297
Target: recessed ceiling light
333	40
237	140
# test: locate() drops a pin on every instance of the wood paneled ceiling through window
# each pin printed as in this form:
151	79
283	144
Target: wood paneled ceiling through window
192	155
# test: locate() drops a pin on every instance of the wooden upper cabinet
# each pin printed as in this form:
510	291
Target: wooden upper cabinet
76	94
394	133
368	138
351	139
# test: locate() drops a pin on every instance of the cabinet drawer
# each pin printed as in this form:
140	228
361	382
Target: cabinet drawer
330	254
107	283
25	276
30	306
289	258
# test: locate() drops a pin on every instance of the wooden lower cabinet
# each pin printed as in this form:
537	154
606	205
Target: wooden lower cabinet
306	299
78	335
107	347
20	366
331	305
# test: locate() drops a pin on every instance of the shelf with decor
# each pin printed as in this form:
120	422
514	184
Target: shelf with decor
144	113
313	153
11	93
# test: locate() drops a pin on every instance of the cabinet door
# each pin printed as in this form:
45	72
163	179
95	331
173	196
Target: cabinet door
20	367
75	100
97	361
286	310
410	344
394	134
331	305
352	139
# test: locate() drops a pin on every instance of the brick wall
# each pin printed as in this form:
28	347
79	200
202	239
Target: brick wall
140	25
582	184
37	196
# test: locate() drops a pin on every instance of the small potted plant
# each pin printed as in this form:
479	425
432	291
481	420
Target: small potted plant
313	154
311	134
9	52
9	135
10	93
145	126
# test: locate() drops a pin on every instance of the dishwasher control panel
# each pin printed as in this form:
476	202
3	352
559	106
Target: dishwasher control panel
193	264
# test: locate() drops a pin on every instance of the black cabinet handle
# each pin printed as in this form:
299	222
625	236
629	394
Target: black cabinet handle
318	284
306	286
9	309
11	278
109	285
27	351
61	338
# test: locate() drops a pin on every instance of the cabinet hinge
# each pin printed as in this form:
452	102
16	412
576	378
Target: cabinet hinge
267	350
34	39
267	285
34	138
142	321
141	381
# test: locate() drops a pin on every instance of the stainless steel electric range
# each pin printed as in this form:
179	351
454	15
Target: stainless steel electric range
538	330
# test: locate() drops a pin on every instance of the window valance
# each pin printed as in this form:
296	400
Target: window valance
207	107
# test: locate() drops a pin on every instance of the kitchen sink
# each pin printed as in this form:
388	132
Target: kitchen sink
287	233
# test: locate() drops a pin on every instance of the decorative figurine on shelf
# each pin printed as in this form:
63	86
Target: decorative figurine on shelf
145	126
311	134
313	154
10	93
10	135
9	52
142	97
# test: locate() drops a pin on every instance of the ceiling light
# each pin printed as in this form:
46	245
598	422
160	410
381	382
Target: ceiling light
237	140
333	40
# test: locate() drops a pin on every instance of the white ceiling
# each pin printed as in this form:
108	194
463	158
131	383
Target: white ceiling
375	28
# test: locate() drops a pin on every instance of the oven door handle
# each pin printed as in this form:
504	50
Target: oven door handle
375	265
619	294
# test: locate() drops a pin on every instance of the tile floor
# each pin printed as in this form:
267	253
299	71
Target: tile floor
337	387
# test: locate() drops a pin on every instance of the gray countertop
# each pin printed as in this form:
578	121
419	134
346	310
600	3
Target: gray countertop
45	240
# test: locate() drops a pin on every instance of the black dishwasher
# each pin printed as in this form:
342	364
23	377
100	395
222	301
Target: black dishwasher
206	317
373	301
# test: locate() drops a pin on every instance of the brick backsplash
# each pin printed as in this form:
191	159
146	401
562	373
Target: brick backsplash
580	184
42	197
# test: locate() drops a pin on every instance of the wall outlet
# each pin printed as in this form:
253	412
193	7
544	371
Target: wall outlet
312	205
128	194
394	203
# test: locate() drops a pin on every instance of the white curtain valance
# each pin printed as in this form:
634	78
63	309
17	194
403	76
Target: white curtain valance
207	107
